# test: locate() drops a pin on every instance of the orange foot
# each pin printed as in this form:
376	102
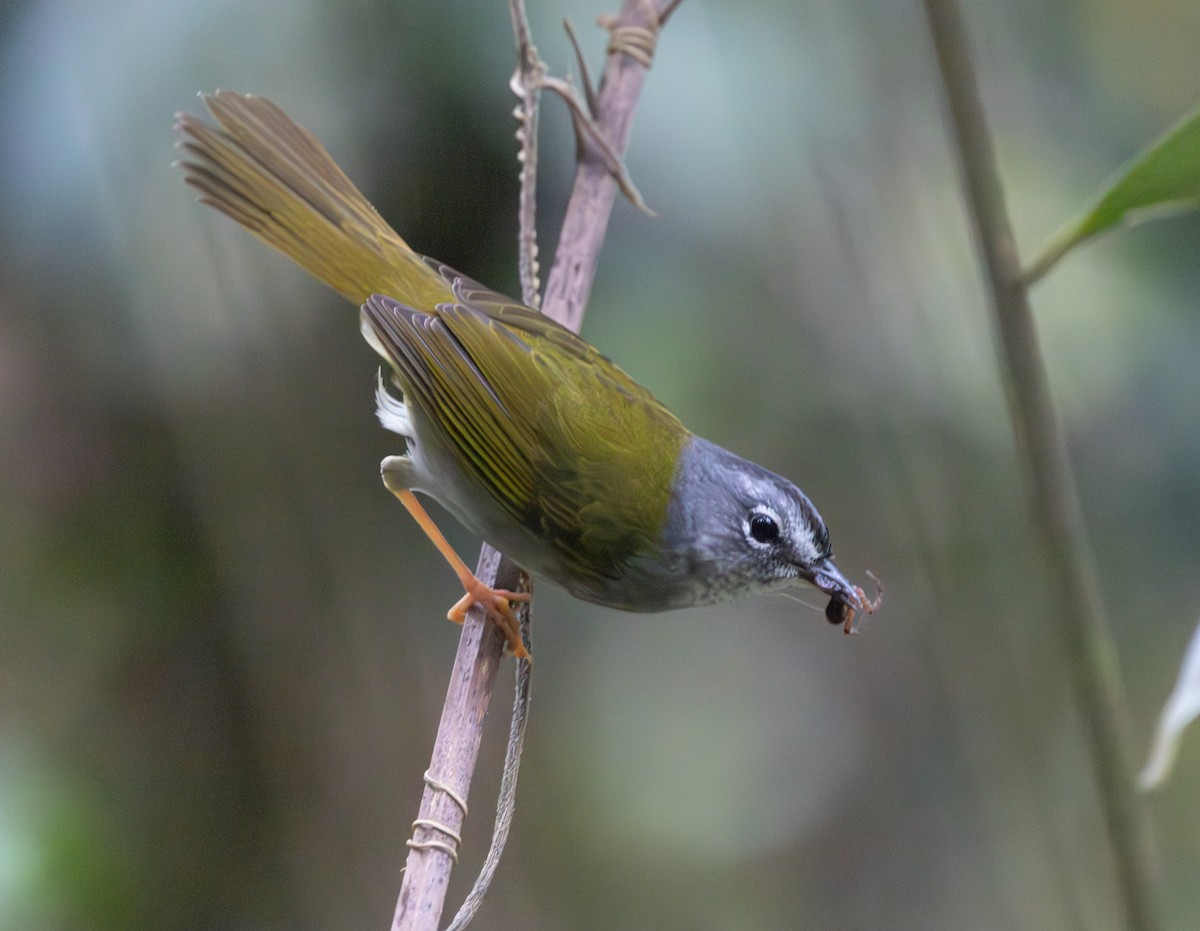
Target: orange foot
497	604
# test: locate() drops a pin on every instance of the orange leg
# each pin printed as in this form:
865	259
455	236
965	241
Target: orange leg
496	602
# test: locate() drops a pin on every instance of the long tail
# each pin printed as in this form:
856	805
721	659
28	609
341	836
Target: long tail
273	177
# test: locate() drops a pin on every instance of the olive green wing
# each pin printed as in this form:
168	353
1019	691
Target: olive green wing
563	440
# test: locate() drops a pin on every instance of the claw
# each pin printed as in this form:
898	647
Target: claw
497	604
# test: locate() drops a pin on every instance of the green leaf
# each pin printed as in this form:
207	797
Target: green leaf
1164	179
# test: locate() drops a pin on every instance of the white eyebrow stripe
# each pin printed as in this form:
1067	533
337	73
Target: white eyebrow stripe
807	544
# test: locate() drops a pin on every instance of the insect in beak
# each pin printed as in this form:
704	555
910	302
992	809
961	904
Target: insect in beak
847	600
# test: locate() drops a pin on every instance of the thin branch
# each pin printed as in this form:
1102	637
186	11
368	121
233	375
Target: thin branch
592	139
472	678
585	74
526	85
1042	451
506	806
595	188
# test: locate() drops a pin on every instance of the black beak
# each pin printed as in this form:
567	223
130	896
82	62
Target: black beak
825	576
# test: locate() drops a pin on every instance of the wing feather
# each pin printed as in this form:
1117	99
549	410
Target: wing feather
568	444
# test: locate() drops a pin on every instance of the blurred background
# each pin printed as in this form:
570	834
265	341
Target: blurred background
222	652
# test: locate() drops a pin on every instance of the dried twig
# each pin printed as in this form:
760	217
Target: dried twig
526	84
427	874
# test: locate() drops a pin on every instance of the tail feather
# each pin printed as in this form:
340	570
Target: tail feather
274	177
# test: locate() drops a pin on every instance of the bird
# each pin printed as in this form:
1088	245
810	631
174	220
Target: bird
525	433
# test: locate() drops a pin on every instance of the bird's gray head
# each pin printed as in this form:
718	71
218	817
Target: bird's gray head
744	529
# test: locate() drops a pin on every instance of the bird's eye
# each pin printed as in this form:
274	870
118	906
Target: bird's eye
764	528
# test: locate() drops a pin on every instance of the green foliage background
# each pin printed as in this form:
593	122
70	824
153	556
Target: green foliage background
221	653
